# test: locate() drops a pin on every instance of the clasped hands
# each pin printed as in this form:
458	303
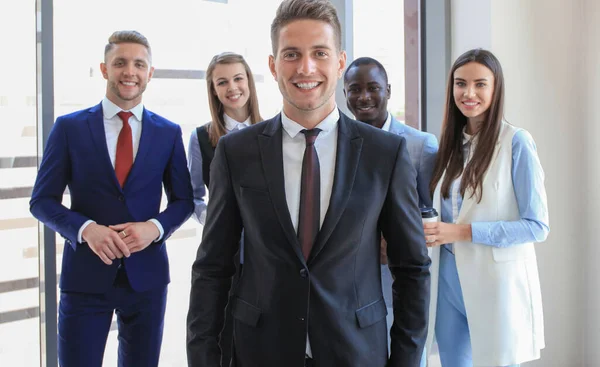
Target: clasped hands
114	242
439	233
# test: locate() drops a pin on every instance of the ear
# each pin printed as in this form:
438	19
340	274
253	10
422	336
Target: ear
272	67
389	91
151	73
104	70
342	64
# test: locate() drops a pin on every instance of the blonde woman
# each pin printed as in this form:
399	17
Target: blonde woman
233	106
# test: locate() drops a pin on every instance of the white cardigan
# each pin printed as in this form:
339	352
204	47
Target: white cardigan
501	287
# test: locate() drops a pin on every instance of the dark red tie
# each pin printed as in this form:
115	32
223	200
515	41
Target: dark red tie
309	219
124	157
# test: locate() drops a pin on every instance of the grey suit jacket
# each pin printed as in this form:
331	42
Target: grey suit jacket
422	148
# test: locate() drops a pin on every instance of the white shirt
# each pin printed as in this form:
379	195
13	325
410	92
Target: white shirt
112	128
232	124
388	123
294	144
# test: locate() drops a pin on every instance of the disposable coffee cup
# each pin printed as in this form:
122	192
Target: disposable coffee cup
429	215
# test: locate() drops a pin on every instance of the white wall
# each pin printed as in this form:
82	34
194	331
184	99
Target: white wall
539	44
590	101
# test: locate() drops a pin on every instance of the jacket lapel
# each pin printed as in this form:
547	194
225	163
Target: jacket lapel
349	146
144	146
271	155
96	124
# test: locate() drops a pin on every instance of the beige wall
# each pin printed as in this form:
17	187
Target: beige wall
590	103
549	51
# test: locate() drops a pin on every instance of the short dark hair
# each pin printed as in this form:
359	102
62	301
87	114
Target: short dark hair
127	37
366	61
290	10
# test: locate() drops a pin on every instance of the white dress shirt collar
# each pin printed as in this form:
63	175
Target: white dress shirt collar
292	128
110	110
232	124
388	123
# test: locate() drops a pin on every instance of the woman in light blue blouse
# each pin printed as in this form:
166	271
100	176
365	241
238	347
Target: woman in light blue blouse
488	186
233	106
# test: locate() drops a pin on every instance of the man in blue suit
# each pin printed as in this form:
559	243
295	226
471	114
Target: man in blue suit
367	93
115	158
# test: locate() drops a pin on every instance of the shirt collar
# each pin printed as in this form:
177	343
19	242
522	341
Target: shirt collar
110	110
328	124
232	124
388	123
466	137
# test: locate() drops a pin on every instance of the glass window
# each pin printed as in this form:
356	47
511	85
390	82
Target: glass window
379	33
19	279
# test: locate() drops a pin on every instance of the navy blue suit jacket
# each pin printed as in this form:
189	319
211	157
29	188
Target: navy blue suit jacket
76	155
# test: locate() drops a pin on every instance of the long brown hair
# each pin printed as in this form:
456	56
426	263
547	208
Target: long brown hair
450	156
217	126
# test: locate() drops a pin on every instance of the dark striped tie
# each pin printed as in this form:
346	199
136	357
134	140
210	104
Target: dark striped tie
310	194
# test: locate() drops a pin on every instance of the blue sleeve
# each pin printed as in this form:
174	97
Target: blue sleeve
528	181
425	172
198	186
176	182
52	179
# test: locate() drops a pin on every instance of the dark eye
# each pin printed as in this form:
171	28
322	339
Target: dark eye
222	82
290	55
481	85
460	84
239	78
374	89
321	54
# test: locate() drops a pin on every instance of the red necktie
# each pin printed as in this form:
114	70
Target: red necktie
124	157
309	219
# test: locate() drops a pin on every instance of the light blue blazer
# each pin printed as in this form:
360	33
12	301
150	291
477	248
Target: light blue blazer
422	148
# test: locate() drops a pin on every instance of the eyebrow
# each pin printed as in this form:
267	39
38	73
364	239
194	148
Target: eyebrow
476	80
315	47
135	60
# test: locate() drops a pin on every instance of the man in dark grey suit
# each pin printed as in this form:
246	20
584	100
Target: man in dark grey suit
313	191
367	92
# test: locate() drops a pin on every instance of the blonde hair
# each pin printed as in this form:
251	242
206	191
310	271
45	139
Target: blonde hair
217	126
127	37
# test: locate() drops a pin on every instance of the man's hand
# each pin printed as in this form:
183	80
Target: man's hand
137	236
440	233
105	243
383	253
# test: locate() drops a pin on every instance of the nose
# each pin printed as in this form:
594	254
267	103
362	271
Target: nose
306	66
470	91
364	95
129	69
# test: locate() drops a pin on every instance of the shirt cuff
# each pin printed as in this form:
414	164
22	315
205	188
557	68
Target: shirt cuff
160	229
202	218
80	233
480	231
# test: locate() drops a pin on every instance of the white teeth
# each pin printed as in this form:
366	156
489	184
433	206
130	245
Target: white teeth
307	85
235	97
365	108
470	103
131	84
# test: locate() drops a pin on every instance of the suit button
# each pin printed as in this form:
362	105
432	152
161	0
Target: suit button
121	198
304	273
301	319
